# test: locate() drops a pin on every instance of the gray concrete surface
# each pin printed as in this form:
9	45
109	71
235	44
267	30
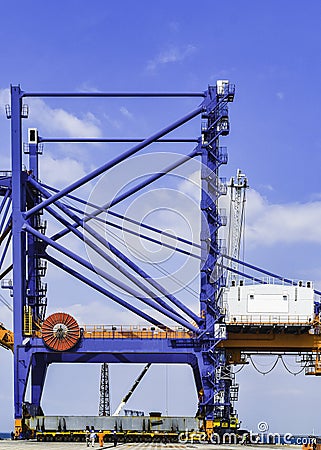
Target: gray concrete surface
29	445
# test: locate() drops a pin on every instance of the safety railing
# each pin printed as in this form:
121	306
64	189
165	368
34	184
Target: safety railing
5	173
134	332
268	319
271	280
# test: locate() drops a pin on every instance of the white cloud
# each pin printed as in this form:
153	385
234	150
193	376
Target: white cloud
125	112
280	95
4	100
87	87
99	311
269	224
171	55
60	172
267	187
113	122
58	121
192	185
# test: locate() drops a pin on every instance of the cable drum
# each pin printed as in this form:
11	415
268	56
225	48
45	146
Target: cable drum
60	332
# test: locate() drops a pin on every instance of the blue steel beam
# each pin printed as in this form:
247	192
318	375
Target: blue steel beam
18	246
6	231
142	273
120	216
5	183
114	162
89	140
35	355
137	351
100	289
145	183
6	271
133	190
5	215
36	295
115	94
216	124
5	250
98	249
39	368
113	280
243	274
258	269
119	254
135	233
5	198
160	352
266	272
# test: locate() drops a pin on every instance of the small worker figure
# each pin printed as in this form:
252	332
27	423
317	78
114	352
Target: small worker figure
114	438
87	436
101	438
92	437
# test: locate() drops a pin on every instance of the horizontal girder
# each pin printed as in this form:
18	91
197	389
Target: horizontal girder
272	341
116	350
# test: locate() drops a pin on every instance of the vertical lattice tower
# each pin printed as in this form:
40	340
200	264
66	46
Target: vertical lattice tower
104	398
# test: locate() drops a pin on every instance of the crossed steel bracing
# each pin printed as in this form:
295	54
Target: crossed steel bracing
25	198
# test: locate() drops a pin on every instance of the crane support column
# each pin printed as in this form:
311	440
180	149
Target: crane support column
214	401
21	365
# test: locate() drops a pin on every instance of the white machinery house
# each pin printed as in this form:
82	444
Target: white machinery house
267	304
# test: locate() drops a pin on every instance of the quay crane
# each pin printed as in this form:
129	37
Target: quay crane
231	321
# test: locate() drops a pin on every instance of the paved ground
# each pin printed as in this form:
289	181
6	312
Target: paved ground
29	445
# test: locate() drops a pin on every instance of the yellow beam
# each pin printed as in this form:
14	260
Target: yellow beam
6	338
272	342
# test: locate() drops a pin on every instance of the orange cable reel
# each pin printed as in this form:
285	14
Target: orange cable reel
60	332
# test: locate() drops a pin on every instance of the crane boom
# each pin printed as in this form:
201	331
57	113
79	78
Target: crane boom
238	186
131	391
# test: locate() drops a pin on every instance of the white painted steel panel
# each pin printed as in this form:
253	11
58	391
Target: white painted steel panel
269	303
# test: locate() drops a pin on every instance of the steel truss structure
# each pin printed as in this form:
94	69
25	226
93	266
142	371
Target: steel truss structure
104	397
25	197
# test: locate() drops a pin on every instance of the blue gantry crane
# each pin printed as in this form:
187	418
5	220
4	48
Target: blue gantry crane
230	322
40	340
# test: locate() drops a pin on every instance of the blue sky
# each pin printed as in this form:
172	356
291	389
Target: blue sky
271	51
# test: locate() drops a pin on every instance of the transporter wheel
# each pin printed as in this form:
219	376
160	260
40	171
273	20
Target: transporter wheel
60	332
